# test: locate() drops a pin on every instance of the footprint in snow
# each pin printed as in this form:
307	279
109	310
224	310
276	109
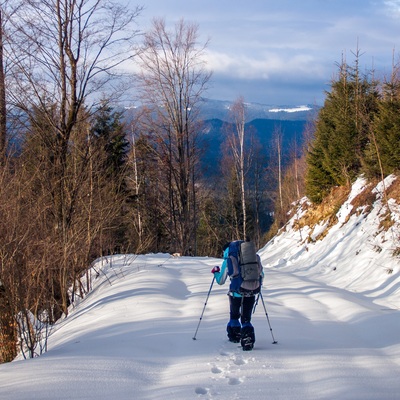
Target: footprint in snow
201	390
216	370
239	361
234	381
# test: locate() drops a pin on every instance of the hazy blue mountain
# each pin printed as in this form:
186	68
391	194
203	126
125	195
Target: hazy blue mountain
262	122
220	109
215	131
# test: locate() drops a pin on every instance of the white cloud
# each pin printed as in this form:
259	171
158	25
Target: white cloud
265	44
392	7
263	67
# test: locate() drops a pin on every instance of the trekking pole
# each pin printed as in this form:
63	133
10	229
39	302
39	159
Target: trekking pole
265	309
205	304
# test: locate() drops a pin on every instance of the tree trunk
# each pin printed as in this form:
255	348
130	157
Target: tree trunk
3	110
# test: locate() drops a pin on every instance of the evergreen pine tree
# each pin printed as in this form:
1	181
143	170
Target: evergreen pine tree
336	154
111	154
384	150
110	134
318	179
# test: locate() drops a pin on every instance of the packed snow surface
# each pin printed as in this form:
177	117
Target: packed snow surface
332	306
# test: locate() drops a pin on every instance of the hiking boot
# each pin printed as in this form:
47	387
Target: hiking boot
247	337
233	334
234	331
247	343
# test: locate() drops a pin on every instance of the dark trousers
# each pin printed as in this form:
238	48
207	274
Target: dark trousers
241	307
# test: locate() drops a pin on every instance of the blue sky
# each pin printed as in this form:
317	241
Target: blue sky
285	51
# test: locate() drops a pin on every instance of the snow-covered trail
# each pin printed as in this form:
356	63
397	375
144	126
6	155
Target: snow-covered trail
131	338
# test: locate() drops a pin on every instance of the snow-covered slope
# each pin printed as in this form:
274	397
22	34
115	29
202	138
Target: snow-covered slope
357	253
332	305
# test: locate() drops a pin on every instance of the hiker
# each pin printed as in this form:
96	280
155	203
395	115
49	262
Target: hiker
243	265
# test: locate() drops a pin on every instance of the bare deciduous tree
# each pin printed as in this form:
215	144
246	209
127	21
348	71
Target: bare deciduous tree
278	137
173	79
241	154
7	9
65	52
3	115
237	143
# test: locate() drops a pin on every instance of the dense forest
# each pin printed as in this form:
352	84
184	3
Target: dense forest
79	180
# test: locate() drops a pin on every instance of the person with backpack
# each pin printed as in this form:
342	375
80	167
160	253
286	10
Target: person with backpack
243	266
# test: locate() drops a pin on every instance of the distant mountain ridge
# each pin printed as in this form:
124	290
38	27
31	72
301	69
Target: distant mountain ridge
220	109
262	129
261	120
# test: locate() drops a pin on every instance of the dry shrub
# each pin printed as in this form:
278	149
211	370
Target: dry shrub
386	222
364	199
326	211
393	191
315	214
367	198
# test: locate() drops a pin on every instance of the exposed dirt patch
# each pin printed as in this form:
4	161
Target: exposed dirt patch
363	201
393	191
326	211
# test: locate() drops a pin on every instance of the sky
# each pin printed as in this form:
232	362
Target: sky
285	52
331	305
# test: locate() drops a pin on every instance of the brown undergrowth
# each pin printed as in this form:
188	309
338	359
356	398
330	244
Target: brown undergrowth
323	212
363	202
393	191
326	212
